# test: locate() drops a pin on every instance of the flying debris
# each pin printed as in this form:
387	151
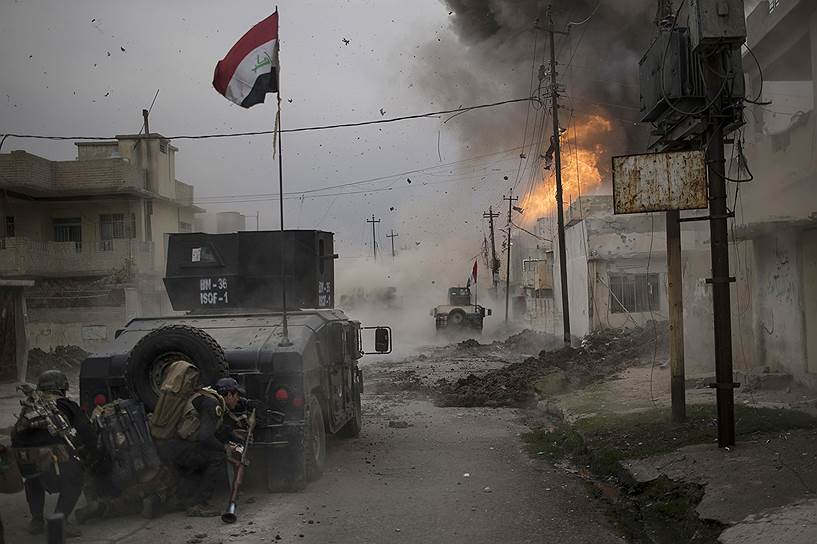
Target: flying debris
409	180
382	112
346	42
518	209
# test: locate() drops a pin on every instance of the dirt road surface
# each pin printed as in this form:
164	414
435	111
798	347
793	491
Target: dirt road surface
417	473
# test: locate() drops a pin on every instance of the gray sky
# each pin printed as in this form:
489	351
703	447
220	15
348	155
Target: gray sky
59	79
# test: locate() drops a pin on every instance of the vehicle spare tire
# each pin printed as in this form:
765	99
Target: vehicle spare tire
456	318
150	356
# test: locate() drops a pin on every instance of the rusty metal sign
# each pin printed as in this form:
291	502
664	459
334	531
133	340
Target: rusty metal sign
657	182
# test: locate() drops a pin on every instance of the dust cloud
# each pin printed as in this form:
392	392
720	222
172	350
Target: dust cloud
402	293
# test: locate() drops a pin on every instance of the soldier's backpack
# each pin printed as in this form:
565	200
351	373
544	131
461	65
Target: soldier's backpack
181	381
125	436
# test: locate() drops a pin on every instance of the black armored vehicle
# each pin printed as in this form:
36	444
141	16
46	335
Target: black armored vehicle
304	382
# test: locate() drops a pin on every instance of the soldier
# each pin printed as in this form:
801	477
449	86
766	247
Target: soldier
51	439
191	437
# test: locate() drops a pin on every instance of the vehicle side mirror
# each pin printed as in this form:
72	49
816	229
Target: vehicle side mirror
382	341
487	311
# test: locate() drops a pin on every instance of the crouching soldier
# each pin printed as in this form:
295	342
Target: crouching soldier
52	439
188	426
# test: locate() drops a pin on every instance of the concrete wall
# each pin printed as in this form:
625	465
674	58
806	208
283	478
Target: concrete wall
90	328
780	312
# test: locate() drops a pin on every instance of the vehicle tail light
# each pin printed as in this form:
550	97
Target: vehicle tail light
100	399
282	395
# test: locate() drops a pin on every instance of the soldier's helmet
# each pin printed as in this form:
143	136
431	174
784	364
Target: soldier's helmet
52	381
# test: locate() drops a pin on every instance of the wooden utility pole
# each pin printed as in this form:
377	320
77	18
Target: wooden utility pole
392	235
490	216
676	316
511	199
560	218
374	222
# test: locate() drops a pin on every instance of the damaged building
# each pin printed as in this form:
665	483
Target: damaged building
776	213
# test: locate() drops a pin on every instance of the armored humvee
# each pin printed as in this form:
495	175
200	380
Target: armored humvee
460	314
302	386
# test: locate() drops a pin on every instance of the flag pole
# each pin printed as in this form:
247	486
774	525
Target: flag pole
284	325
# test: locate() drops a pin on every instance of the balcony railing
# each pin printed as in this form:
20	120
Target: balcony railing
25	257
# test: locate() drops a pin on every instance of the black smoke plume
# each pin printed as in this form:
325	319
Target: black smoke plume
500	46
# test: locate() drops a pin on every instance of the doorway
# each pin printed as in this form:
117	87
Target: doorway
8	335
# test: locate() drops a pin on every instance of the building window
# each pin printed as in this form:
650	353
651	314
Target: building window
185	227
114	226
163	146
633	293
10	226
68	229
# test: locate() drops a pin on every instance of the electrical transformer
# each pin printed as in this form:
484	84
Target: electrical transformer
713	23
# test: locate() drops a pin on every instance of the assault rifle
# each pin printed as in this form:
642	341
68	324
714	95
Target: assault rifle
40	411
239	465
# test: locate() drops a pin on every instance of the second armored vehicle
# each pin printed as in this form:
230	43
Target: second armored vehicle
460	314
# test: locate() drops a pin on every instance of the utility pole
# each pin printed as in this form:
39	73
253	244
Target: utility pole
392	235
675	300
719	235
490	216
374	235
511	199
560	217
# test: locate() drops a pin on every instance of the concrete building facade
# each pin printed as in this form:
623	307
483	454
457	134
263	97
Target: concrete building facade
776	222
617	278
92	233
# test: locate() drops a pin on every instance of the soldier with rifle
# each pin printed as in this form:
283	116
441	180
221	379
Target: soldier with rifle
52	440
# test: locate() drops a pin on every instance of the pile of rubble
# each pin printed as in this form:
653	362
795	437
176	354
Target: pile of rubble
65	358
526	341
600	355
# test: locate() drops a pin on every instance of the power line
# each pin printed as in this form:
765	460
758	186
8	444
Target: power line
206	199
288	130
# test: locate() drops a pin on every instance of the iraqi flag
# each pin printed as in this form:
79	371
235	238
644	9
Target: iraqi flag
250	69
472	279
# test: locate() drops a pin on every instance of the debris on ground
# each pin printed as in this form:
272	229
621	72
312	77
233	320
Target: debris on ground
600	355
65	358
470	343
530	341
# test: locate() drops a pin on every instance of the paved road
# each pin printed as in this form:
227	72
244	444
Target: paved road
396	485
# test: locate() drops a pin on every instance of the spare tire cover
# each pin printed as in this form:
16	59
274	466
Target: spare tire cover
151	355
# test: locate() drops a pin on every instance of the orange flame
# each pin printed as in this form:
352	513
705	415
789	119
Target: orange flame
582	154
